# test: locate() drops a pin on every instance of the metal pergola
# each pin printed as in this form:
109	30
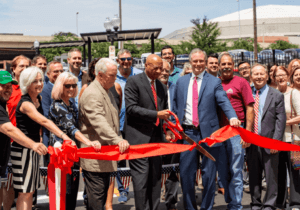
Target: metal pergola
88	38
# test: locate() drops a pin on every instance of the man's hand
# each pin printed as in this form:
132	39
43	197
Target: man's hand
235	122
244	144
123	146
170	135
40	148
164	114
96	145
273	151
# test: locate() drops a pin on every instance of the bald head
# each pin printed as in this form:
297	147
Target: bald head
153	66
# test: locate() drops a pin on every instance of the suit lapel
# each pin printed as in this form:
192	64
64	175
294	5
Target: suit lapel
203	85
186	88
147	86
108	102
267	103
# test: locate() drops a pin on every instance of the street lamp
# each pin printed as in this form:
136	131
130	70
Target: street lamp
36	46
263	32
77	22
109	24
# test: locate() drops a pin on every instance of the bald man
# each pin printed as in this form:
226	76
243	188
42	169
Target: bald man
146	101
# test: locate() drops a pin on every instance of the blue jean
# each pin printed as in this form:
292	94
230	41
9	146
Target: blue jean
121	189
235	160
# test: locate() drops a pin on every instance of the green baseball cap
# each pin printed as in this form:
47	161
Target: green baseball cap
5	77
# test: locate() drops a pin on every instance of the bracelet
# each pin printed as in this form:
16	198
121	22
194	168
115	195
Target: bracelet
61	134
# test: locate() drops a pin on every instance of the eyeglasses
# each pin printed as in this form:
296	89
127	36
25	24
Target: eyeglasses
281	75
58	71
124	59
164	54
244	69
70	85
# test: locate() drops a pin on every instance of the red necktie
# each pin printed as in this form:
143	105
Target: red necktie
155	99
256	111
195	97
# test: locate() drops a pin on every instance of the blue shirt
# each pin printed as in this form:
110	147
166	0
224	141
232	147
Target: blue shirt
262	99
175	75
122	81
79	85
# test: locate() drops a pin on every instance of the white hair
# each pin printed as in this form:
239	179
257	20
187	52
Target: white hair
101	65
197	50
123	51
164	60
225	54
27	77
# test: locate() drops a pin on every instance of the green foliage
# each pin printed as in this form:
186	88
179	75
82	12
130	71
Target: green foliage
282	45
246	44
205	36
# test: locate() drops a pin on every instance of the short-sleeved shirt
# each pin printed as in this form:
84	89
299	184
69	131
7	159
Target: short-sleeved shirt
175	75
122	81
240	95
5	140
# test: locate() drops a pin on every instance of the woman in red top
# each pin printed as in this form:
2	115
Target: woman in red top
19	63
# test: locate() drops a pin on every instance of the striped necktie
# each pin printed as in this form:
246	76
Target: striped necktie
155	99
256	111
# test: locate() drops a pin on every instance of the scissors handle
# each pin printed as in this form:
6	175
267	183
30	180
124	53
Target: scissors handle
176	133
177	126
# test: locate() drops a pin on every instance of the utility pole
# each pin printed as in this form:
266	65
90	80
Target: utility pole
120	16
77	22
239	18
255	31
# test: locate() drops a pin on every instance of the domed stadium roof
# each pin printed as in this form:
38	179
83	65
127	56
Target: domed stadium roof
268	11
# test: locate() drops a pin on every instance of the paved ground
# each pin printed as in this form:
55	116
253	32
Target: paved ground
43	201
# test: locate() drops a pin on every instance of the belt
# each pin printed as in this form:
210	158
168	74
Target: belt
190	127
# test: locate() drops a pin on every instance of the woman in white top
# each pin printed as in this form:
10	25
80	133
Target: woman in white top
281	76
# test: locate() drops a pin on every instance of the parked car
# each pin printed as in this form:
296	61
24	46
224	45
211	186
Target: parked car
267	56
291	54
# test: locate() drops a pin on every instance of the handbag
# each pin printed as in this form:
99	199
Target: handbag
295	155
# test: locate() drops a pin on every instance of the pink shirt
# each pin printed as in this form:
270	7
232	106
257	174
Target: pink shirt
240	95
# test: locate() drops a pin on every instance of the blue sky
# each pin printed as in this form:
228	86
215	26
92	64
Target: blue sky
41	17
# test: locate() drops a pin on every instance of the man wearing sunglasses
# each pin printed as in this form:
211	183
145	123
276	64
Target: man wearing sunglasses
167	53
125	70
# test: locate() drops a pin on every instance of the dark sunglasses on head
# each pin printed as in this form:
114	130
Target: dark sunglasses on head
124	59
70	85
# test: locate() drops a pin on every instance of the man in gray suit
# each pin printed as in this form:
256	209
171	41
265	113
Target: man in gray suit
270	120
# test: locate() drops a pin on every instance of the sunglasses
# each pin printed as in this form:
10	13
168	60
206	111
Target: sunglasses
70	85
124	59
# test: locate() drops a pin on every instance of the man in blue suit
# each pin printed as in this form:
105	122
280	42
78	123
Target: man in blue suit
196	97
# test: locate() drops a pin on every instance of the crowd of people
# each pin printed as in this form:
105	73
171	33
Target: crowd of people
114	103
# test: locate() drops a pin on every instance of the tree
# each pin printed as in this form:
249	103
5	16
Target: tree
246	44
282	45
205	36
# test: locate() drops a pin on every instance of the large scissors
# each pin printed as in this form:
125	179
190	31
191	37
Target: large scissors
179	134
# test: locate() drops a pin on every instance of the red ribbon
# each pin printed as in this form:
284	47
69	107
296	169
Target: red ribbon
65	157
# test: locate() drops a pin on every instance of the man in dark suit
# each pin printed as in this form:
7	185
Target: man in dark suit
146	101
195	102
270	121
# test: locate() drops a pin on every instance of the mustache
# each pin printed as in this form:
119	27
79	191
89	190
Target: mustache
226	69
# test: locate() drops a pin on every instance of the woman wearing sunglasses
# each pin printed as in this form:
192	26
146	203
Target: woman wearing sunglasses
64	113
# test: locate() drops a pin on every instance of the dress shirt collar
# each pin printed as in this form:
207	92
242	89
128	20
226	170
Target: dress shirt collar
150	80
200	76
261	90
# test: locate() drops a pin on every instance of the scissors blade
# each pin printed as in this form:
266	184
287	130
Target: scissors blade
198	147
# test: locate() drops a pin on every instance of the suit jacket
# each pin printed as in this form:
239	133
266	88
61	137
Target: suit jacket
273	119
141	112
98	120
46	103
211	95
